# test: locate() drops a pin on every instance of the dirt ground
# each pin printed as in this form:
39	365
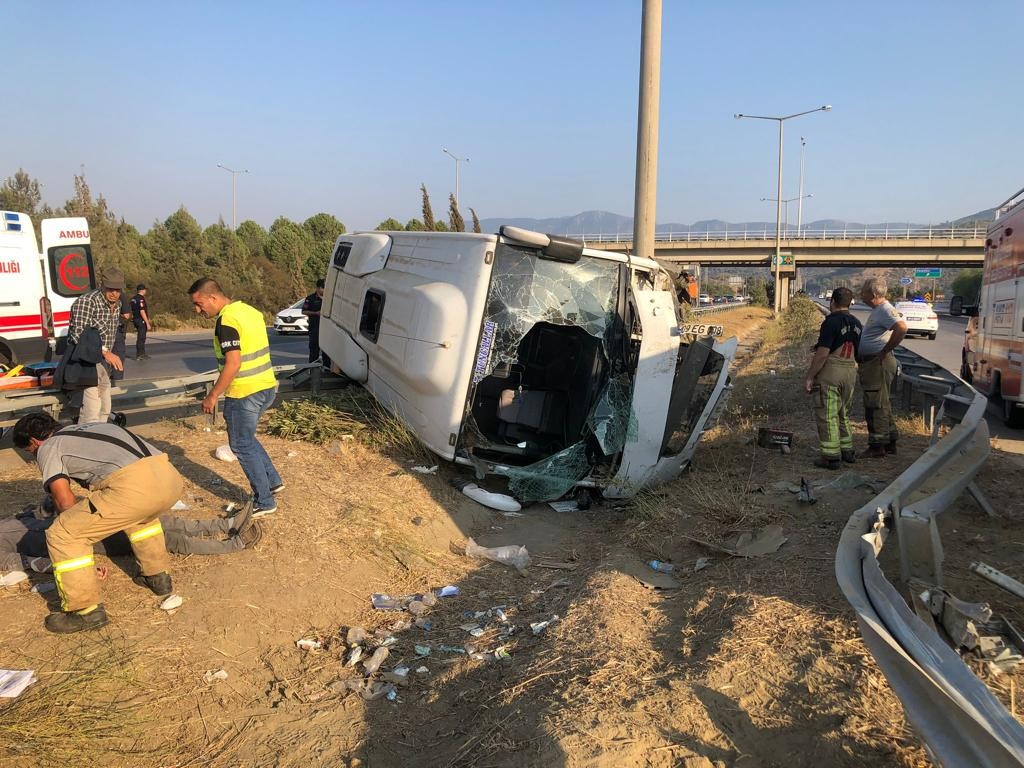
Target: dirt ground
750	662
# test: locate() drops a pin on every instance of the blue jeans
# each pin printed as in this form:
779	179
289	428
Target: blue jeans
242	414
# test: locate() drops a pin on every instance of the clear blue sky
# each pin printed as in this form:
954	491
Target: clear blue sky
344	106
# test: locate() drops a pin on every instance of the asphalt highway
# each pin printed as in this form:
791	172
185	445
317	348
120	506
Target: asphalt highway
174	354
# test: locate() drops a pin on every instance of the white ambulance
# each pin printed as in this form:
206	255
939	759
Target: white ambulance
37	287
525	356
993	352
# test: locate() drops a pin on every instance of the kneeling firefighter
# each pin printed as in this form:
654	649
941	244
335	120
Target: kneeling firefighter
130	482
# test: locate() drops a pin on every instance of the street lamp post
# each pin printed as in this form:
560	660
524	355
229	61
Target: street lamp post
800	191
457	161
787	201
234	198
778	204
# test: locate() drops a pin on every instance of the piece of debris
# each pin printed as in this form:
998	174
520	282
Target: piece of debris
538	627
425	624
422	670
701	564
998	578
211	675
421	650
515	556
660	567
384	602
354	656
774	438
450	649
13	682
513	514
421	470
179	506
171	603
12	578
806	495
355	636
224	453
499	501
764	542
372	664
291	454
564	506
449	591
309	644
418	520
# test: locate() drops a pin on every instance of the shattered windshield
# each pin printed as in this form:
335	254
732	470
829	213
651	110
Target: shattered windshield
549	399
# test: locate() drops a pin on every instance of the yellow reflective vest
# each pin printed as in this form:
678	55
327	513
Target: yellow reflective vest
256	372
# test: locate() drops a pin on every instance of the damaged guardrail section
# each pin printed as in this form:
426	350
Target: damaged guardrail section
959	719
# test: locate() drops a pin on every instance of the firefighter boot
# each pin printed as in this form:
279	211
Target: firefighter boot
849	456
67	622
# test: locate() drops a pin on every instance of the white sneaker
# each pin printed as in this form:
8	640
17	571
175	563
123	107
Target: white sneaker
258	512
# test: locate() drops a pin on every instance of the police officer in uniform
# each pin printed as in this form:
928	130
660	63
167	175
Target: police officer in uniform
831	378
140	319
130	482
311	309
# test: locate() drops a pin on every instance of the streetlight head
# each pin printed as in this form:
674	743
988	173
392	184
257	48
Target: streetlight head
737	115
827	108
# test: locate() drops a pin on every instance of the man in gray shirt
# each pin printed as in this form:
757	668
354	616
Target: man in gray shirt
883	332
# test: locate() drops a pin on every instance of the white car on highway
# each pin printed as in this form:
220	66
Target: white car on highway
291	320
920	317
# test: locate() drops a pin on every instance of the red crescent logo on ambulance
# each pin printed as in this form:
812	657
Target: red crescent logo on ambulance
71	267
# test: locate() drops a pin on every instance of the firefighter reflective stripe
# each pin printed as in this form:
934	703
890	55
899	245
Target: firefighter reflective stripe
256	371
69	567
145	533
73	565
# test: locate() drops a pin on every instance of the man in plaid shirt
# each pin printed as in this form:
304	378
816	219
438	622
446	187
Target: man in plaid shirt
99	309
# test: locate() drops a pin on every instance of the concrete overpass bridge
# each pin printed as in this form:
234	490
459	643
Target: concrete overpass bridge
848	247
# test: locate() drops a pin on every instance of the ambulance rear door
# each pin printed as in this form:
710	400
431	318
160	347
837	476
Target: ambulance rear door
67	266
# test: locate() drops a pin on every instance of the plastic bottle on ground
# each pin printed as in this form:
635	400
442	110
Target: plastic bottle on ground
373	663
661	567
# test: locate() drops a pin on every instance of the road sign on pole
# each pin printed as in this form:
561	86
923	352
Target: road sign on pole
906	281
928	272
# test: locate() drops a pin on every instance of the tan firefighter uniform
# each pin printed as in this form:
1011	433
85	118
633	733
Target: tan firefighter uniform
131	484
835	382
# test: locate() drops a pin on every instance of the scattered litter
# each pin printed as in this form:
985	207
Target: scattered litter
764	542
425	624
387	641
354	656
355	636
396	677
511	555
418	520
500	653
660	567
539	626
449	591
392	695
416	607
422	670
701	564
291	454
13	682
429	599
421	650
171	602
786	450
513	514
369	690
384	602
557	566
43	586
774	438
450	649
210	675
499	501
400	626
421	470
806	495
12	578
477	632
469	627
641	571
224	453
231	507
373	663
564	506
309	644
347	438
179	505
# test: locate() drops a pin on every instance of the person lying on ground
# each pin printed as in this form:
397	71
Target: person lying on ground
23	539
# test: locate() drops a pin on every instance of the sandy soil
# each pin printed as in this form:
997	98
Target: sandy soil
751	662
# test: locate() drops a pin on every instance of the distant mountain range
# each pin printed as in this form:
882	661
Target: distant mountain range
607	223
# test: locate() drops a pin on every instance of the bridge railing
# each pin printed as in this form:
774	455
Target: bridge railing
768	233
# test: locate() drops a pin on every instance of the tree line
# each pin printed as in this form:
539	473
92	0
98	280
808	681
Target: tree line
268	268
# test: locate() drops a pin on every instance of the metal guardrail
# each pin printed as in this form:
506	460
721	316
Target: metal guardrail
156	395
768	233
709	308
959	719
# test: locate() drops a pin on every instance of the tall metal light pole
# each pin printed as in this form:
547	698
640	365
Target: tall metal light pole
787	201
234	197
457	161
778	205
645	195
800	191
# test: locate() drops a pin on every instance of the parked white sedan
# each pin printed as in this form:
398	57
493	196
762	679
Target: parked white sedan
919	317
291	320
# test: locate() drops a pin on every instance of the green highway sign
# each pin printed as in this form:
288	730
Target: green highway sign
928	272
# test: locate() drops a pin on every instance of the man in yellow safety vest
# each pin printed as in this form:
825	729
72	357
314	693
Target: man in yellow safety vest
247	382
